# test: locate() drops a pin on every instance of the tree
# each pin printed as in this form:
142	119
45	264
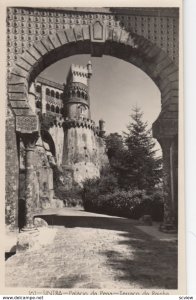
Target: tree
142	168
115	150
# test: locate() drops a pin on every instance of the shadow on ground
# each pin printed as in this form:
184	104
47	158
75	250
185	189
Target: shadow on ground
153	263
109	223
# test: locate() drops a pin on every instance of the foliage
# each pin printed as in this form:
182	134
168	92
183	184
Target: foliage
104	196
133	157
142	167
71	196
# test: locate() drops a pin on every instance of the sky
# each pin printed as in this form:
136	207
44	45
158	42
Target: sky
116	87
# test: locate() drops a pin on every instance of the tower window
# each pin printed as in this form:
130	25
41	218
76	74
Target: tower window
52	93
57	110
48	106
38	104
38	89
78	94
57	95
47	92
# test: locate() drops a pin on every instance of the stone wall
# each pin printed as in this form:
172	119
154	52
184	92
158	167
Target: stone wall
12	172
42	182
80	152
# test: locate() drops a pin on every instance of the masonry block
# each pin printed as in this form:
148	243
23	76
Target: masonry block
169	70
22	112
152	52
116	34
47	43
109	34
29	58
171	100
86	32
54	40
78	33
70	35
18	88
169	94
17	96
173	76
23	64
20	72
19	104
160	56
40	48
34	53
15	80
62	37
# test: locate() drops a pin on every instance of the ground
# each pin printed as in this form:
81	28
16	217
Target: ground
96	251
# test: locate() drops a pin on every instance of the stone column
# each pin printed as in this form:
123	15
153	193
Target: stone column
29	141
43	98
169	224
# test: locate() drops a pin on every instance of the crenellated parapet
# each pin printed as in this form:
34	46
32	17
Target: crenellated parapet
83	123
77	92
80	122
48	121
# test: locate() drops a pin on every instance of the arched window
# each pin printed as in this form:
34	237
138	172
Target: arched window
47	92
57	95
38	88
82	94
48	107
73	93
85	97
57	110
38	104
52	108
78	94
52	93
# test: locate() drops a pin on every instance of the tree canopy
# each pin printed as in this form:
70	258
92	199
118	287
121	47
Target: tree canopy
133	156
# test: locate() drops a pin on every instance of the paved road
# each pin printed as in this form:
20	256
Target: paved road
95	251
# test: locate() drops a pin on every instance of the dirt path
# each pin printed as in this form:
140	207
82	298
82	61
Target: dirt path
95	251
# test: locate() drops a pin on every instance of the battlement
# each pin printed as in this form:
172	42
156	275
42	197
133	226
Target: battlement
79	73
82	122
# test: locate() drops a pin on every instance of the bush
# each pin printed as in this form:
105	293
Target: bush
104	196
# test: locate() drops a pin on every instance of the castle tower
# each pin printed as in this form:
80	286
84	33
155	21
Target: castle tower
77	100
80	154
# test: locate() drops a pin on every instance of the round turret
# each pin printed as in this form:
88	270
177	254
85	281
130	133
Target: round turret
77	100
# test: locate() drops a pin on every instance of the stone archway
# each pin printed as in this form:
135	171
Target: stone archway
99	39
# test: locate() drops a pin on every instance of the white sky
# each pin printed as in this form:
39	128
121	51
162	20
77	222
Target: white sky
115	87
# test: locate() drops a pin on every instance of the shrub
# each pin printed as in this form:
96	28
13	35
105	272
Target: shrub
104	196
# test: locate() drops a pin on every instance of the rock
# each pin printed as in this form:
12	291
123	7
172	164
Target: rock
38	222
35	239
26	240
146	220
57	203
